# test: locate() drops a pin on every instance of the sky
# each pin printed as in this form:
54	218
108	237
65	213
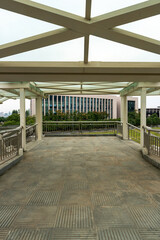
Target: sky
15	26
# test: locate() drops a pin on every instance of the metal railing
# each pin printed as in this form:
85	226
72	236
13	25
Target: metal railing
134	133
151	141
31	133
10	143
82	127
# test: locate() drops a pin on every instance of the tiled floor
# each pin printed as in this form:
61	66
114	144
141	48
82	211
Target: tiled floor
96	188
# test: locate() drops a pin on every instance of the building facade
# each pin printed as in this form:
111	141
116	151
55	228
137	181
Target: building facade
85	103
151	111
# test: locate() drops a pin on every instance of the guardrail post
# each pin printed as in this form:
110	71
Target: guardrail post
39	118
1	147
124	116
149	143
23	117
143	114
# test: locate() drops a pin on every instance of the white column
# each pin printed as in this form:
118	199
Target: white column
39	117
143	113
124	116
23	117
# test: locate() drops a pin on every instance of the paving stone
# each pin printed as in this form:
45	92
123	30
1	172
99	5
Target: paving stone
33	216
112	217
94	188
71	234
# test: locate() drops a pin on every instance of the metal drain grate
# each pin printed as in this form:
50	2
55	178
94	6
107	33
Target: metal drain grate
150	234
146	217
29	234
72	186
45	198
118	234
7	215
105	199
74	217
3	233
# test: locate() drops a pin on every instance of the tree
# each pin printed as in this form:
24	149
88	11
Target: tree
15	112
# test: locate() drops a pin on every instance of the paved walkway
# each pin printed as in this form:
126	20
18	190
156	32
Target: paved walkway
96	188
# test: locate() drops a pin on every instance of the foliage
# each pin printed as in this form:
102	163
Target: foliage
2	119
76	116
153	120
134	119
15	112
14	119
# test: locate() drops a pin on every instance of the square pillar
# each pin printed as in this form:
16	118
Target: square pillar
39	117
143	114
23	117
124	116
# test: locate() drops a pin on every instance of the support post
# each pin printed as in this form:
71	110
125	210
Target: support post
143	114
39	117
23	117
124	116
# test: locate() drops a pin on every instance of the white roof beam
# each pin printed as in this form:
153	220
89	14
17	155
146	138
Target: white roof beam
78	77
13	91
38	41
86	38
45	13
129	14
84	27
3	99
130	89
18	85
80	68
129	39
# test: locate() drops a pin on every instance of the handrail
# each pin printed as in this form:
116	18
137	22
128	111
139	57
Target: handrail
82	122
29	127
10	143
10	130
151	129
133	126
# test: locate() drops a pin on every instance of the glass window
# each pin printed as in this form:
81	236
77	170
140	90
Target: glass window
59	102
91	104
43	106
106	106
67	103
55	104
74	104
51	103
81	104
94	104
46	105
63	104
111	108
71	104
100	105
88	104
131	106
85	104
78	104
97	104
103	105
